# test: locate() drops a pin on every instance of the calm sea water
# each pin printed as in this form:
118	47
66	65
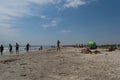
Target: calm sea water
22	49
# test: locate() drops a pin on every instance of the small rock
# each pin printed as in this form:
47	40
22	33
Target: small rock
23	64
23	75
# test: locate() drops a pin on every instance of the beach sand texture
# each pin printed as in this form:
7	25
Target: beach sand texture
68	64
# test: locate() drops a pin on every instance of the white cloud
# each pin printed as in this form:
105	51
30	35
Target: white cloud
7	30
54	23
51	23
21	8
13	10
43	17
45	1
65	31
74	3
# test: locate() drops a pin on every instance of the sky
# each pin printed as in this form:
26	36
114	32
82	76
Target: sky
43	22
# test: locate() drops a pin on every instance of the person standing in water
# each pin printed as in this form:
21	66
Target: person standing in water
10	48
1	49
41	47
27	47
17	48
58	45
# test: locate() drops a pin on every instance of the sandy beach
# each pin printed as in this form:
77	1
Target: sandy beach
68	64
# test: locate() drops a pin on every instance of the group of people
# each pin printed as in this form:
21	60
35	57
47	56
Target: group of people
10	47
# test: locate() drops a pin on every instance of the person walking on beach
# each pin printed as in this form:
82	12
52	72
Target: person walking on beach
10	48
58	45
17	48
1	49
27	47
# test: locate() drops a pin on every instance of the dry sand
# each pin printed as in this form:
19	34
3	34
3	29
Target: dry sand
69	64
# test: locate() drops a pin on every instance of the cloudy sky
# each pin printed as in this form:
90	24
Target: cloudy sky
70	21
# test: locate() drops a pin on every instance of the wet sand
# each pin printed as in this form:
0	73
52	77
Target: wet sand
68	64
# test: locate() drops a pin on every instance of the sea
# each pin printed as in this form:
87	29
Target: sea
22	49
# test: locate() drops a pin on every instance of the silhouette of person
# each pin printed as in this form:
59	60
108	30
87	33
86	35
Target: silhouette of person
1	49
41	47
27	47
17	48
58	45
10	48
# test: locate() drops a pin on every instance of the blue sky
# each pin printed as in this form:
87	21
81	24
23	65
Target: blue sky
70	21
